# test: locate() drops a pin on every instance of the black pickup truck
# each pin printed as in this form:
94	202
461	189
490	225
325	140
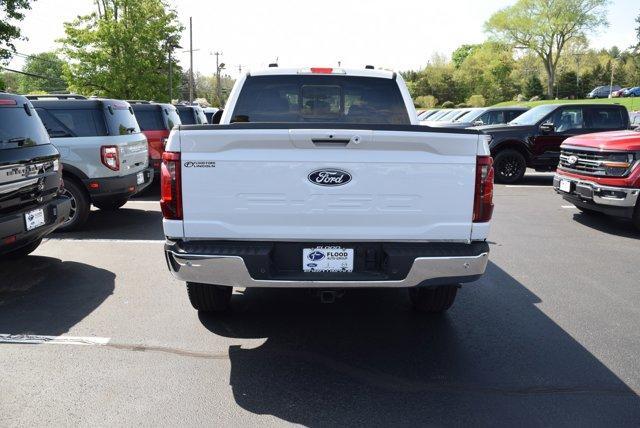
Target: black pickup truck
533	139
30	179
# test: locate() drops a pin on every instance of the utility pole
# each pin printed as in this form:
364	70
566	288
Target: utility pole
613	63
218	68
190	60
170	74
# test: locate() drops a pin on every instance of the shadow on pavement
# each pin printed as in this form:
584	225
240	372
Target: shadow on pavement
608	224
495	359
536	179
45	296
125	223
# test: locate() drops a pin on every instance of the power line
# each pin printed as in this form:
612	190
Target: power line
39	76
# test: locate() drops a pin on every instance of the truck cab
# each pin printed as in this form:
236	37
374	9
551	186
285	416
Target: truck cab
31	201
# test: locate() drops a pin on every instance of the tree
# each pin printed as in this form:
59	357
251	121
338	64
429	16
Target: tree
47	65
487	71
459	55
567	85
533	87
10	10
121	50
546	26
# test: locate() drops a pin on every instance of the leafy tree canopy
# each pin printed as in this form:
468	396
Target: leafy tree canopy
546	26
121	50
47	65
10	12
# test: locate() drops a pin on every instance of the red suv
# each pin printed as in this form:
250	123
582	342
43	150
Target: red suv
601	173
156	121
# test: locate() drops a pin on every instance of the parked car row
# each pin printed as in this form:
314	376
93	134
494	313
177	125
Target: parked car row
615	91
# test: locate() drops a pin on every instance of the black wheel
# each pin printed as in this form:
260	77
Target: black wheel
111	205
209	298
636	216
509	165
24	251
433	299
80	205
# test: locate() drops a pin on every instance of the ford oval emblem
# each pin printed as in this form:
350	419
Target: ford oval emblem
314	256
329	177
572	160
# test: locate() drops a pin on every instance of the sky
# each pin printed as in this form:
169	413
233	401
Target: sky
398	35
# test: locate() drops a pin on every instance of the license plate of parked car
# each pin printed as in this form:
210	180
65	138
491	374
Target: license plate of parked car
34	219
327	259
140	177
565	186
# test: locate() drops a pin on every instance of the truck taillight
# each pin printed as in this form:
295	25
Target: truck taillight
110	157
483	202
171	186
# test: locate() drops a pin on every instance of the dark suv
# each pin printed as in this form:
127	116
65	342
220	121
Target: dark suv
533	139
31	205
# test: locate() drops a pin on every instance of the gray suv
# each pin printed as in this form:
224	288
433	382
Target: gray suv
104	155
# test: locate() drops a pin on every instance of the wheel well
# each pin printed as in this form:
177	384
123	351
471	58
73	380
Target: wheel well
66	175
515	145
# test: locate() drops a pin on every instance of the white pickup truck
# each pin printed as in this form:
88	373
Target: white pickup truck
322	178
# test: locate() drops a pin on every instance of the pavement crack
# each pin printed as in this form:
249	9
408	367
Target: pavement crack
167	350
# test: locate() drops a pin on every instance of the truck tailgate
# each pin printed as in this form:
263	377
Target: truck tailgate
261	184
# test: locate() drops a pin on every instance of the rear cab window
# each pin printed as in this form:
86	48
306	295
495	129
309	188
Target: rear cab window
17	127
606	118
320	98
171	117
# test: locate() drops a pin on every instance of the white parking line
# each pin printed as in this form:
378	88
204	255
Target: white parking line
34	339
128	241
144	202
569	207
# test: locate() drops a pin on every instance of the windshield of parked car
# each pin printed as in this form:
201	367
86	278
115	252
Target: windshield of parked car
471	115
449	115
320	98
17	128
533	116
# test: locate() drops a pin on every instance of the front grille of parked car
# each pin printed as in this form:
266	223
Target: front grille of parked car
593	162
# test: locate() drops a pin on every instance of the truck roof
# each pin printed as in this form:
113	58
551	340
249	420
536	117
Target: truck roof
362	72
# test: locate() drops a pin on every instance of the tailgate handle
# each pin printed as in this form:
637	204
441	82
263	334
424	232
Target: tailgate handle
334	141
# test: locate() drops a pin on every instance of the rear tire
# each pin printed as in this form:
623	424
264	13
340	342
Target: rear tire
24	251
433	300
111	205
510	166
80	205
209	298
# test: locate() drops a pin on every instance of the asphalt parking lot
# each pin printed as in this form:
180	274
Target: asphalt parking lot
549	336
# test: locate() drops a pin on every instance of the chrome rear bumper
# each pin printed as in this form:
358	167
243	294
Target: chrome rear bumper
232	271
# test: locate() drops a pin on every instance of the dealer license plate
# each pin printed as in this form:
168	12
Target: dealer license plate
327	259
140	177
565	186
34	219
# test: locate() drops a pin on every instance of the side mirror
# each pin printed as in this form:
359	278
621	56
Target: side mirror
478	123
547	127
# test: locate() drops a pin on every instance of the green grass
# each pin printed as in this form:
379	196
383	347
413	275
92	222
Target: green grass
631	103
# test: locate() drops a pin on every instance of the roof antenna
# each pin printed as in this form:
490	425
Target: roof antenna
274	64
